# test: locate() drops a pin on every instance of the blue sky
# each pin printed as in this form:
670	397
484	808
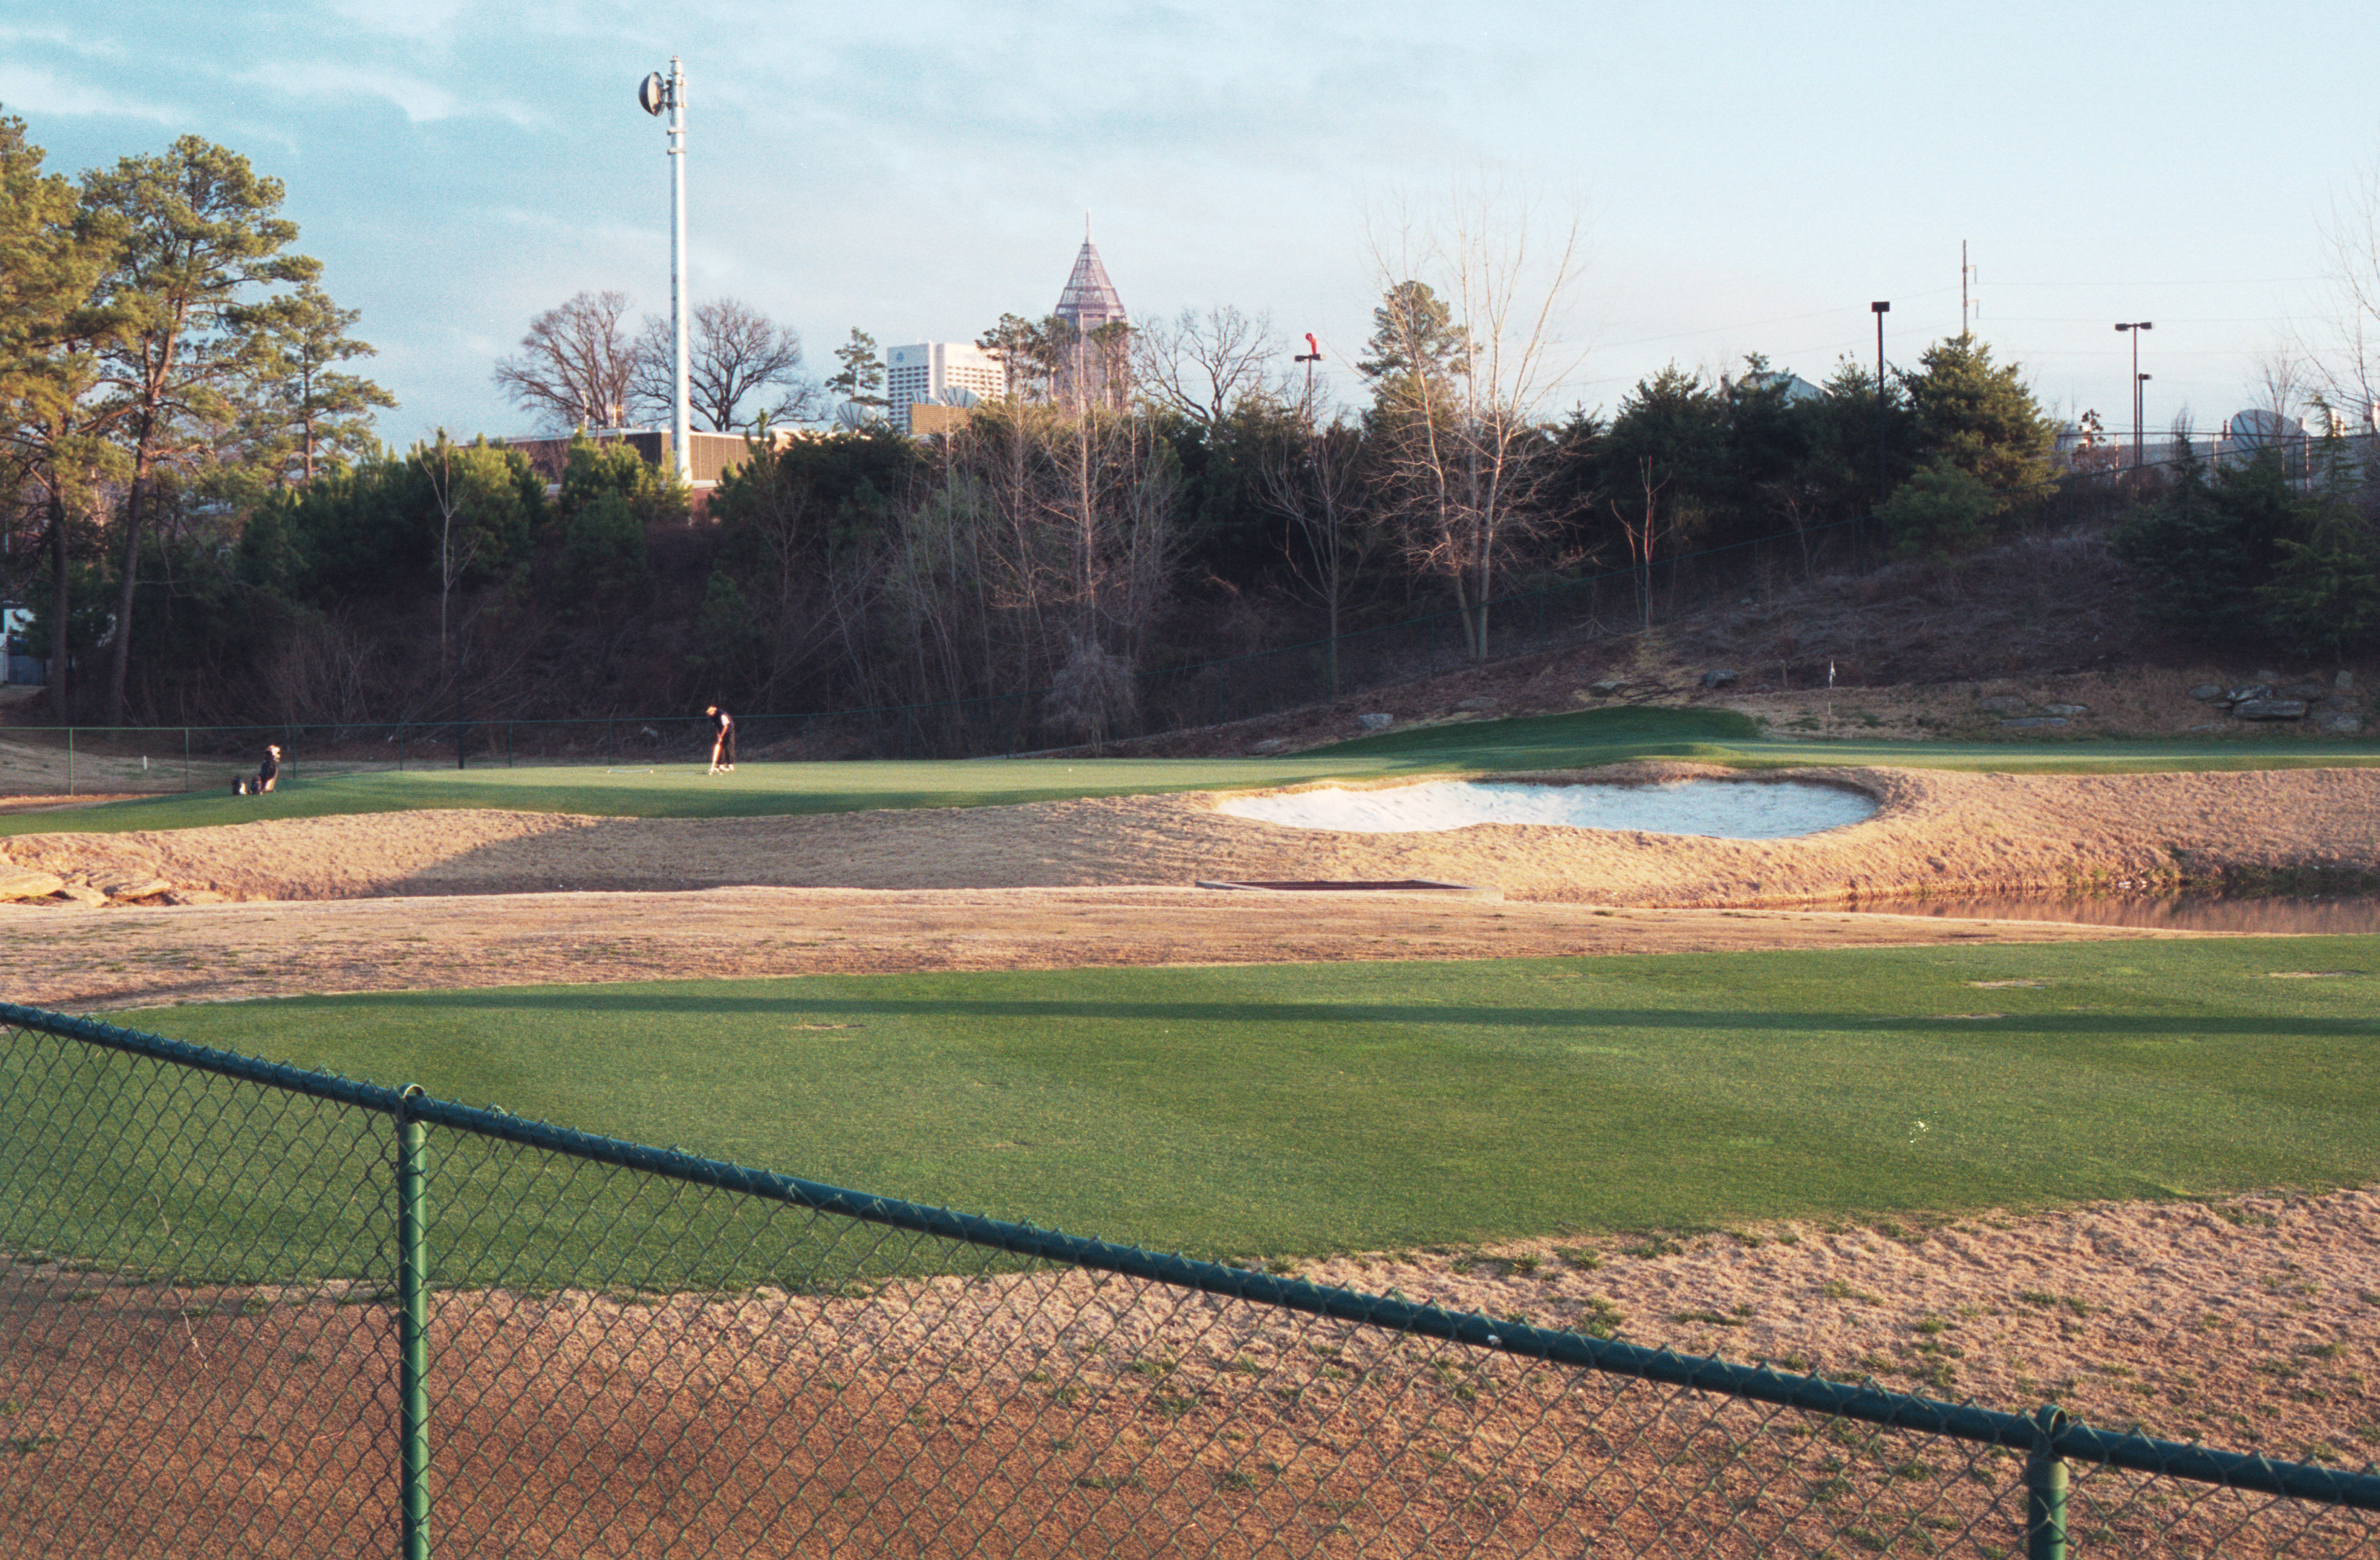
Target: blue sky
1750	176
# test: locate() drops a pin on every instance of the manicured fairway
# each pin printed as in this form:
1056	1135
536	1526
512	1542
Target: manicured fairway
1568	741
1304	1109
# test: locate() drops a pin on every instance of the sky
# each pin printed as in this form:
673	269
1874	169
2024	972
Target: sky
1744	178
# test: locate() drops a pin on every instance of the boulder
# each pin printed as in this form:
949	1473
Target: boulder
2270	709
28	882
81	894
2004	704
2345	725
1606	687
2036	720
197	896
1269	745
2066	709
1376	723
2207	691
143	887
1720	679
2246	691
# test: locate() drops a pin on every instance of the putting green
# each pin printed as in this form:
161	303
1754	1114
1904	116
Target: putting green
1567	741
1292	1109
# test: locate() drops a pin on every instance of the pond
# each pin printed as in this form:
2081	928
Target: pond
1715	808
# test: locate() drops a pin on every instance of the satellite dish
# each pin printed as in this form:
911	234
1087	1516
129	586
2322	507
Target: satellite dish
960	395
850	416
2257	428
651	96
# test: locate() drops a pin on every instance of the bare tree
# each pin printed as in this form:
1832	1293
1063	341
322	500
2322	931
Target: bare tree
737	356
574	367
1205	365
1315	481
1462	385
2347	351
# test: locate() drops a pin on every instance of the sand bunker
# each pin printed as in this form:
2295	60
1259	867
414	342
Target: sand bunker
1713	809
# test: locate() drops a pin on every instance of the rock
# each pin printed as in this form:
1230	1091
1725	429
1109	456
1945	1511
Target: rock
2269	708
1606	688
2308	691
2247	691
2036	720
2066	709
1376	723
1720	679
197	896
28	882
81	894
1478	701
1270	744
136	888
2264	677
2207	691
2004	704
2345	725
2344	680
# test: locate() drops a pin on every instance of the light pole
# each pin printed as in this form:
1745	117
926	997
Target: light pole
657	93
2133	328
2140	404
1309	357
1879	310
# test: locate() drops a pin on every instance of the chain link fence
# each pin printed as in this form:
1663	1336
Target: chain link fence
246	1309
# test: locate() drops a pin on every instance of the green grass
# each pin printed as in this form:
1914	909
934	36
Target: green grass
1297	1109
1566	742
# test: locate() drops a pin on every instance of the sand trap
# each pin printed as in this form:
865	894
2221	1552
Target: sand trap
1713	809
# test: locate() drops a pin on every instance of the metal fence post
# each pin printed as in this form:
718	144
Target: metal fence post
70	760
2045	1489
412	1335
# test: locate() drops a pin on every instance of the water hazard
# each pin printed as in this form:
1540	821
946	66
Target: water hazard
1713	809
2182	912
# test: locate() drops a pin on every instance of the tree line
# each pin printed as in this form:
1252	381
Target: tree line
190	456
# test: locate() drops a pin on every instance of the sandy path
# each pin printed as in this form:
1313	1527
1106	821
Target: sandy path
1942	832
136	956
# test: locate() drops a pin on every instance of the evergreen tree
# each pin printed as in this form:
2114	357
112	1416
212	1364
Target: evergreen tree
1981	418
861	378
309	408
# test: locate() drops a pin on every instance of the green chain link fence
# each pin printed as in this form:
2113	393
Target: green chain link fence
250	1310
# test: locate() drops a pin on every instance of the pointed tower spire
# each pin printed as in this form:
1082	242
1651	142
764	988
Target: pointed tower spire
1090	299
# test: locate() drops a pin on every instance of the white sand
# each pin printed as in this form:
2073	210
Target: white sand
1713	809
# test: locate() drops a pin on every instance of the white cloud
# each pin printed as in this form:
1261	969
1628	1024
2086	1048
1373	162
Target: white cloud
421	21
31	90
422	101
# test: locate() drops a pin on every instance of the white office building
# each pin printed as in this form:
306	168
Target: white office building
931	370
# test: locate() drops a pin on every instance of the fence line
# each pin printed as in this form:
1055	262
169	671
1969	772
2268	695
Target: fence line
1172	699
580	1344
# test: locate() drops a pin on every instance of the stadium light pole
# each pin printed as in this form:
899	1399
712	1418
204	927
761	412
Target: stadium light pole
1880	309
2133	328
657	93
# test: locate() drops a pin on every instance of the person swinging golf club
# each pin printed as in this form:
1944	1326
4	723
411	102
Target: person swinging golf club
722	739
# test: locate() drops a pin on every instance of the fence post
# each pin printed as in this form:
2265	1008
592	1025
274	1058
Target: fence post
69	760
412	1335
2045	1489
186	757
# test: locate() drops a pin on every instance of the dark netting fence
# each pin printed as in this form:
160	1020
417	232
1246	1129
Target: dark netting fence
250	1310
1599	604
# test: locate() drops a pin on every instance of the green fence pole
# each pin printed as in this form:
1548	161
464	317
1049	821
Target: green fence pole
186	757
412	1337
2045	1489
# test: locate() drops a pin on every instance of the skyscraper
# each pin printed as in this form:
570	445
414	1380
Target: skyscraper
930	371
1094	346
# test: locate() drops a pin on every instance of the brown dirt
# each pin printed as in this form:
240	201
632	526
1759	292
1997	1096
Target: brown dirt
1056	1413
1935	832
86	959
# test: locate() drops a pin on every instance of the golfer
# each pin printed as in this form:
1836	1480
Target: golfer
722	739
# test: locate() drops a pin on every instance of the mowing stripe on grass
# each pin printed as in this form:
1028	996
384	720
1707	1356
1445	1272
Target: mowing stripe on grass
1300	1110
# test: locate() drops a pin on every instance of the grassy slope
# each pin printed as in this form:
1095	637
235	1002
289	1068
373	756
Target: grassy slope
1567	741
1303	1109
